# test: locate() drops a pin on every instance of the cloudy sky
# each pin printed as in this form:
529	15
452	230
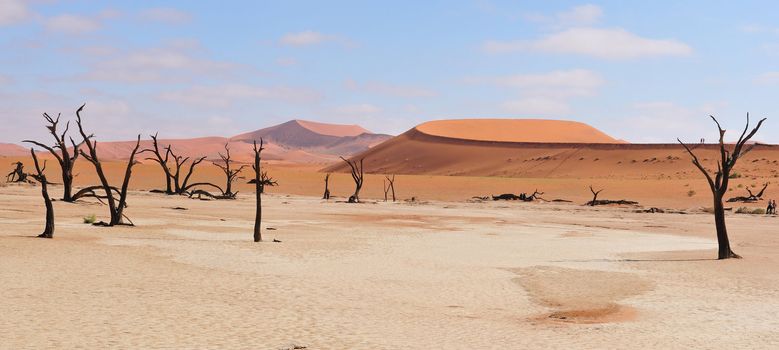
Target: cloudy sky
641	71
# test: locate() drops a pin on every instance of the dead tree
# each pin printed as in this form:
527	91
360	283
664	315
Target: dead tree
61	154
595	201
18	174
326	195
258	189
162	161
595	194
751	198
48	231
115	205
719	182
357	175
230	173
390	186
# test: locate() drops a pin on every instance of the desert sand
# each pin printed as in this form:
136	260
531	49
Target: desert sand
379	275
515	130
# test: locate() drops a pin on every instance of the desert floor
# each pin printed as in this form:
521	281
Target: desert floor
427	275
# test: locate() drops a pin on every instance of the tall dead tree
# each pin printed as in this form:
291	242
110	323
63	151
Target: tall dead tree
115	205
326	195
258	189
162	161
719	182
230	173
61	153
358	175
18	174
48	231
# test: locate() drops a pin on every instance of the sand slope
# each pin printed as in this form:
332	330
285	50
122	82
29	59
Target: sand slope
516	130
416	152
13	150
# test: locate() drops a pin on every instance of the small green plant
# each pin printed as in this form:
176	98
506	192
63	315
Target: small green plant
734	175
690	193
90	219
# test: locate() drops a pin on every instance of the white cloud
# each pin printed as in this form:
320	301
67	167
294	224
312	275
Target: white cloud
615	43
768	78
356	110
5	80
170	63
560	83
72	24
538	106
305	38
286	61
226	95
385	89
165	15
548	94
664	121
13	11
581	15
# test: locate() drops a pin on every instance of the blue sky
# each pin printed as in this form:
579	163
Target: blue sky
640	71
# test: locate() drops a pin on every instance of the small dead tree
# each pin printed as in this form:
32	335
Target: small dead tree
18	174
162	161
595	194
230	173
115	205
326	195
258	189
358	175
752	197
48	231
719	182
390	186
61	153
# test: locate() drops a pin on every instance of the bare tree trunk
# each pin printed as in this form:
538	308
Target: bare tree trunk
163	162
724	251
326	195
258	191
48	231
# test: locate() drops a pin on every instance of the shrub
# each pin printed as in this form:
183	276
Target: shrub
90	219
745	210
734	175
690	193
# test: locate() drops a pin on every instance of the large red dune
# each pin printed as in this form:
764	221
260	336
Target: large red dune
516	130
449	148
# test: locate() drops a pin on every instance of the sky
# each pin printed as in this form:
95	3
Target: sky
646	71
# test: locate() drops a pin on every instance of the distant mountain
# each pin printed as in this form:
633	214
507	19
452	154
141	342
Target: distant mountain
13	150
296	141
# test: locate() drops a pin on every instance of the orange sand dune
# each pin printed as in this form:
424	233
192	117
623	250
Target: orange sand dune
339	130
415	152
13	150
516	130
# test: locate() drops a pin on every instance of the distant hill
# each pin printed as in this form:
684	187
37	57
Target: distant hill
296	141
13	150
